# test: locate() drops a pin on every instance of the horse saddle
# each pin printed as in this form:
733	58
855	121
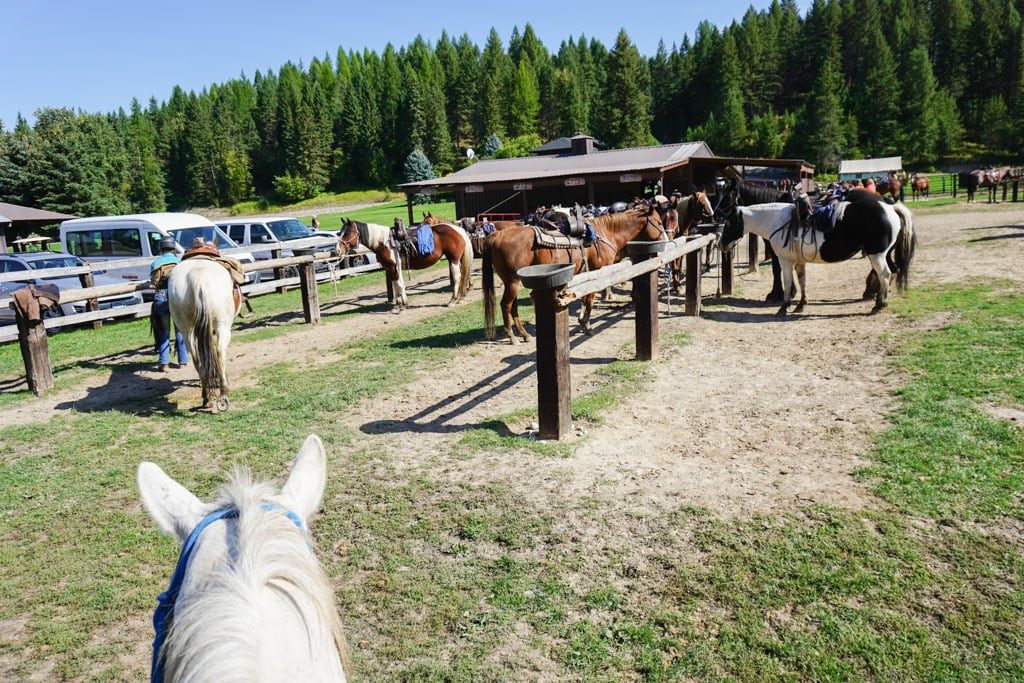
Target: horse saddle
233	266
414	242
570	224
810	216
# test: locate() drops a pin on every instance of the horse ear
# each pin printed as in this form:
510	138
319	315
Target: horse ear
174	508
305	485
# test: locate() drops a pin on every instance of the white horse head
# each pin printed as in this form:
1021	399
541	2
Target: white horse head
200	293
248	600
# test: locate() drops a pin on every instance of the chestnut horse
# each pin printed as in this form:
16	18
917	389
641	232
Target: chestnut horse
920	186
891	185
515	247
985	177
450	241
690	211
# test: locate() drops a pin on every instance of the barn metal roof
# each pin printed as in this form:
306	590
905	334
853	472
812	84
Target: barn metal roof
661	157
865	167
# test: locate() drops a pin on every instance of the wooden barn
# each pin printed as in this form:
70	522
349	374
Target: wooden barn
860	169
586	175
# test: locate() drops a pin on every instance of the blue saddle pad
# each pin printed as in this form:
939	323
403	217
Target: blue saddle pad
425	240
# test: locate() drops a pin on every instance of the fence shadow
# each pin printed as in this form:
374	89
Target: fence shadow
128	390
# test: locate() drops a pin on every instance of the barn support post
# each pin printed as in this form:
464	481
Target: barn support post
752	245
727	270
692	294
408	206
91	305
956	179
35	353
1016	185
645	299
554	386
310	293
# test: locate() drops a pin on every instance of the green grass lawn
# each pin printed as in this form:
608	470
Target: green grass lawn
253	207
462	579
386	214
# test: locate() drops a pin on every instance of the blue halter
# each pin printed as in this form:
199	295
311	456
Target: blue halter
165	601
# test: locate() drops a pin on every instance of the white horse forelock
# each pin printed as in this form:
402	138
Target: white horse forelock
215	634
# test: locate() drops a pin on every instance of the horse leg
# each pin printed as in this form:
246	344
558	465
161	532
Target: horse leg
870	286
677	276
519	323
801	276
786	273
455	275
508	303
223	339
585	310
776	293
881	269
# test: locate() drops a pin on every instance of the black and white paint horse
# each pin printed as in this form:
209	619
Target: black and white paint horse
875	228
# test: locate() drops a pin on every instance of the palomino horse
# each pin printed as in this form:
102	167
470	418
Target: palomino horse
985	177
247	600
203	304
868	226
514	247
450	241
920	186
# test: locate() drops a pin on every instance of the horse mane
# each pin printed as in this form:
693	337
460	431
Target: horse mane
213	627
372	235
751	193
614	222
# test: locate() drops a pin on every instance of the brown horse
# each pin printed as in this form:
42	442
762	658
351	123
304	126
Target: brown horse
515	247
690	211
450	241
985	177
920	186
891	185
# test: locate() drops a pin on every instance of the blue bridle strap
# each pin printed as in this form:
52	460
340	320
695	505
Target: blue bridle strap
165	601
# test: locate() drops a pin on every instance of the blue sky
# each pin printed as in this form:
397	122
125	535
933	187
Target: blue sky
96	55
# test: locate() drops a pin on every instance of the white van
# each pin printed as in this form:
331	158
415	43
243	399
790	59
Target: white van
115	238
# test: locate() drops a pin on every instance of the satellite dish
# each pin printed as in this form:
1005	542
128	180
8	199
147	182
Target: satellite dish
470	153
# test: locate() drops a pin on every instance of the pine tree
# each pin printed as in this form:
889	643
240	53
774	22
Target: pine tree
494	65
491	145
627	112
824	127
146	189
417	167
921	124
525	101
876	98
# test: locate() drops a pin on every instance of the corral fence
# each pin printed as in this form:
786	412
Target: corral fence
555	287
950	185
33	337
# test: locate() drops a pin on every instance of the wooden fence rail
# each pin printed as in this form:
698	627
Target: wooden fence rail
553	291
33	340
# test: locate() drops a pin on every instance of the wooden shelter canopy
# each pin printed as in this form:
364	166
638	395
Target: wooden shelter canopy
15	219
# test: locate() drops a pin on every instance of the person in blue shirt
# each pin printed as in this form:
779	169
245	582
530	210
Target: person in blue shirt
161	312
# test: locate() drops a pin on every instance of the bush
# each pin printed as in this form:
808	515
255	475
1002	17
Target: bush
518	146
417	167
291	188
491	145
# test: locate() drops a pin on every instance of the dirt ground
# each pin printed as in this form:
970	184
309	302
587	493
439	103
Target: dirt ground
755	413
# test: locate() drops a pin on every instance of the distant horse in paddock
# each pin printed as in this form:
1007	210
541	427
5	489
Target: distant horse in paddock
516	247
247	600
985	177
449	241
920	186
867	225
204	302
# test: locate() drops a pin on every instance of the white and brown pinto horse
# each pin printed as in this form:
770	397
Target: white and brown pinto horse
247	600
204	302
878	229
450	241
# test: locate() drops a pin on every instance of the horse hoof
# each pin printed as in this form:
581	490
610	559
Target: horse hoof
221	405
799	308
782	311
773	297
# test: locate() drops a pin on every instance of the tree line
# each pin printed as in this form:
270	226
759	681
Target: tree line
849	78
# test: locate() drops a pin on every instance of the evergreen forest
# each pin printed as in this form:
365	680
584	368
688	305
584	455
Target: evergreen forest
926	79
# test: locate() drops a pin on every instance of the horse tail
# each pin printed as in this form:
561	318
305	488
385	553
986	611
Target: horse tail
466	262
906	245
208	362
490	304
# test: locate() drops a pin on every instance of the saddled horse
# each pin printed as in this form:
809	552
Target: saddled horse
204	302
248	599
867	225
890	185
450	241
985	177
750	194
920	186
690	211
515	247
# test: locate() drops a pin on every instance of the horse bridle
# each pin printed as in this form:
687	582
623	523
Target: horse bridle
355	242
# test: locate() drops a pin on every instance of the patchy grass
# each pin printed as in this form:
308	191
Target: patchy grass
386	214
491	578
260	206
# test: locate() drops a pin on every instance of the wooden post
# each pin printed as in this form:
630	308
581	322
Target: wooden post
91	304
408	205
645	299
279	273
1016	185
310	293
35	353
727	270
692	295
956	179
752	244
1005	187
554	387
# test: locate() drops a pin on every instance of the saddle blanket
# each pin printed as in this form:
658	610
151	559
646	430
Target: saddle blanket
425	240
555	240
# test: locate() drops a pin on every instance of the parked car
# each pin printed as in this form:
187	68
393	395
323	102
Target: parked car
40	260
253	231
113	238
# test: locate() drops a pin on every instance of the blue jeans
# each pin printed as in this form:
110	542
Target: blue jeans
161	316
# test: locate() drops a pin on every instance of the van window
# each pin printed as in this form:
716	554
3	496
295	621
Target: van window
105	242
237	233
154	243
260	235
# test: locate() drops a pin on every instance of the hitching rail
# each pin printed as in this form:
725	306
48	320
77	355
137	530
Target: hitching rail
554	390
